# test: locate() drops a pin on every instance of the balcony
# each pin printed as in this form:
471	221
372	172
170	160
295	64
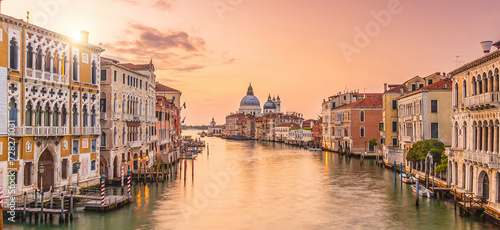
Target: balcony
126	116
77	131
152	138
116	116
483	101
136	117
91	130
484	159
40	131
407	139
408	118
154	120
103	115
164	141
134	144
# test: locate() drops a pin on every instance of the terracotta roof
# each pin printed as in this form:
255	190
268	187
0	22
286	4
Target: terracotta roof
442	84
161	87
396	88
369	102
135	67
295	125
237	115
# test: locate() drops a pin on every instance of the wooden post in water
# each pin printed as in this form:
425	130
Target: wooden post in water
395	169
41	208
24	208
71	206
418	186
208	150
61	217
401	170
192	167
36	205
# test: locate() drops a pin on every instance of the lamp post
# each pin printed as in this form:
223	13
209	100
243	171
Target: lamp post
78	164
41	169
145	172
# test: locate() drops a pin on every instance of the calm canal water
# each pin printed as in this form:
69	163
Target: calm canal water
260	185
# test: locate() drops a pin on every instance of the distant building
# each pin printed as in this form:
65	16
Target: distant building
214	129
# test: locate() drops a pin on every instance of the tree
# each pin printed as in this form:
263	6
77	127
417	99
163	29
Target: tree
373	142
420	149
443	166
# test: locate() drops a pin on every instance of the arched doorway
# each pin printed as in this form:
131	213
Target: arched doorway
484	186
116	168
103	167
48	176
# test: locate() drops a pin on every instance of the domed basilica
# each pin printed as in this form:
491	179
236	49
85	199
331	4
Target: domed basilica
250	104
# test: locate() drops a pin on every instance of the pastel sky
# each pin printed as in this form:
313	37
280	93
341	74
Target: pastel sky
212	49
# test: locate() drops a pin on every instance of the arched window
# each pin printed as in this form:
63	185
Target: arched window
115	104
39	56
464	91
75	115
473	88
464	133
479	85
362	132
455	103
64	114
85	115
94	73
46	115
362	116
29	56
13	111
103	139
124	137
55	65
75	68
38	114
114	137
103	103
29	114
14	54
92	117
497	83
485	83
55	116
47	61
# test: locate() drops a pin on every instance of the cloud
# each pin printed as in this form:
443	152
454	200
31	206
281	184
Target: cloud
188	68
158	4
171	49
230	61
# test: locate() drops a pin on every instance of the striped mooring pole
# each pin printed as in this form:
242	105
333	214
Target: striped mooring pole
103	191
128	184
122	174
1	197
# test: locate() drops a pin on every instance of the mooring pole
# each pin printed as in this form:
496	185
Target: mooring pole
36	205
61	218
395	169
401	170
24	209
418	186
41	208
71	206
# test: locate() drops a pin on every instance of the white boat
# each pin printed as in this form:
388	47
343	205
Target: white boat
408	178
314	149
422	191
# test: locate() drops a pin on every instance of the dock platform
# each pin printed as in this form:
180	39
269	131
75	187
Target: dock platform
110	203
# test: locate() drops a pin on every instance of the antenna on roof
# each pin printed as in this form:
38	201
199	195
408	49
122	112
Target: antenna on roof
458	61
27	16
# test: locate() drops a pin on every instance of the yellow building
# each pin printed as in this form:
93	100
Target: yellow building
53	108
474	160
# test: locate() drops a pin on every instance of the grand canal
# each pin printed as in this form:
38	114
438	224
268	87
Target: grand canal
261	185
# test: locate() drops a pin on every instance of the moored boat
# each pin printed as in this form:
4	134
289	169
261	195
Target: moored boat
422	191
407	178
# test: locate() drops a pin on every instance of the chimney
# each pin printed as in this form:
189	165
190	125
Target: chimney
84	36
486	45
385	87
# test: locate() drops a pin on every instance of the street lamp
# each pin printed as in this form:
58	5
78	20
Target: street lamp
77	164
41	169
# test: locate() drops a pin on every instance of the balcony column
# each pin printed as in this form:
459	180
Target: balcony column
484	138
478	139
489	144
495	138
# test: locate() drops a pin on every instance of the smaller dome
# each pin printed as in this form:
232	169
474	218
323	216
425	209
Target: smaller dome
269	105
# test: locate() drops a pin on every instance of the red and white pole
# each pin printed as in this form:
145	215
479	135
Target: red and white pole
1	194
103	191
122	174
128	184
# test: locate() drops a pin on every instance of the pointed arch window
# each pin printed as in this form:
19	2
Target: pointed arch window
124	137
29	56
47	61
39	57
75	116
46	115
13	111
114	137
55	65
29	114
38	114
94	73
64	114
85	115
103	139
75	68
14	54
92	117
103	103
55	116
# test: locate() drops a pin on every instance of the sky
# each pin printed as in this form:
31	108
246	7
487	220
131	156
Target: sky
303	51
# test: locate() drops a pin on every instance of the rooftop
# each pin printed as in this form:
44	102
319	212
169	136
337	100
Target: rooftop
369	102
161	87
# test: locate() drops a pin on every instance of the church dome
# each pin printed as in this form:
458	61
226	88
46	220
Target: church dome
250	99
269	104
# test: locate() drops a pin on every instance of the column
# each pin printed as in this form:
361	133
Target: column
495	139
478	138
484	138
491	138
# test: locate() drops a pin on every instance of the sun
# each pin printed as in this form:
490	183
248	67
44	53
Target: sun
76	35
